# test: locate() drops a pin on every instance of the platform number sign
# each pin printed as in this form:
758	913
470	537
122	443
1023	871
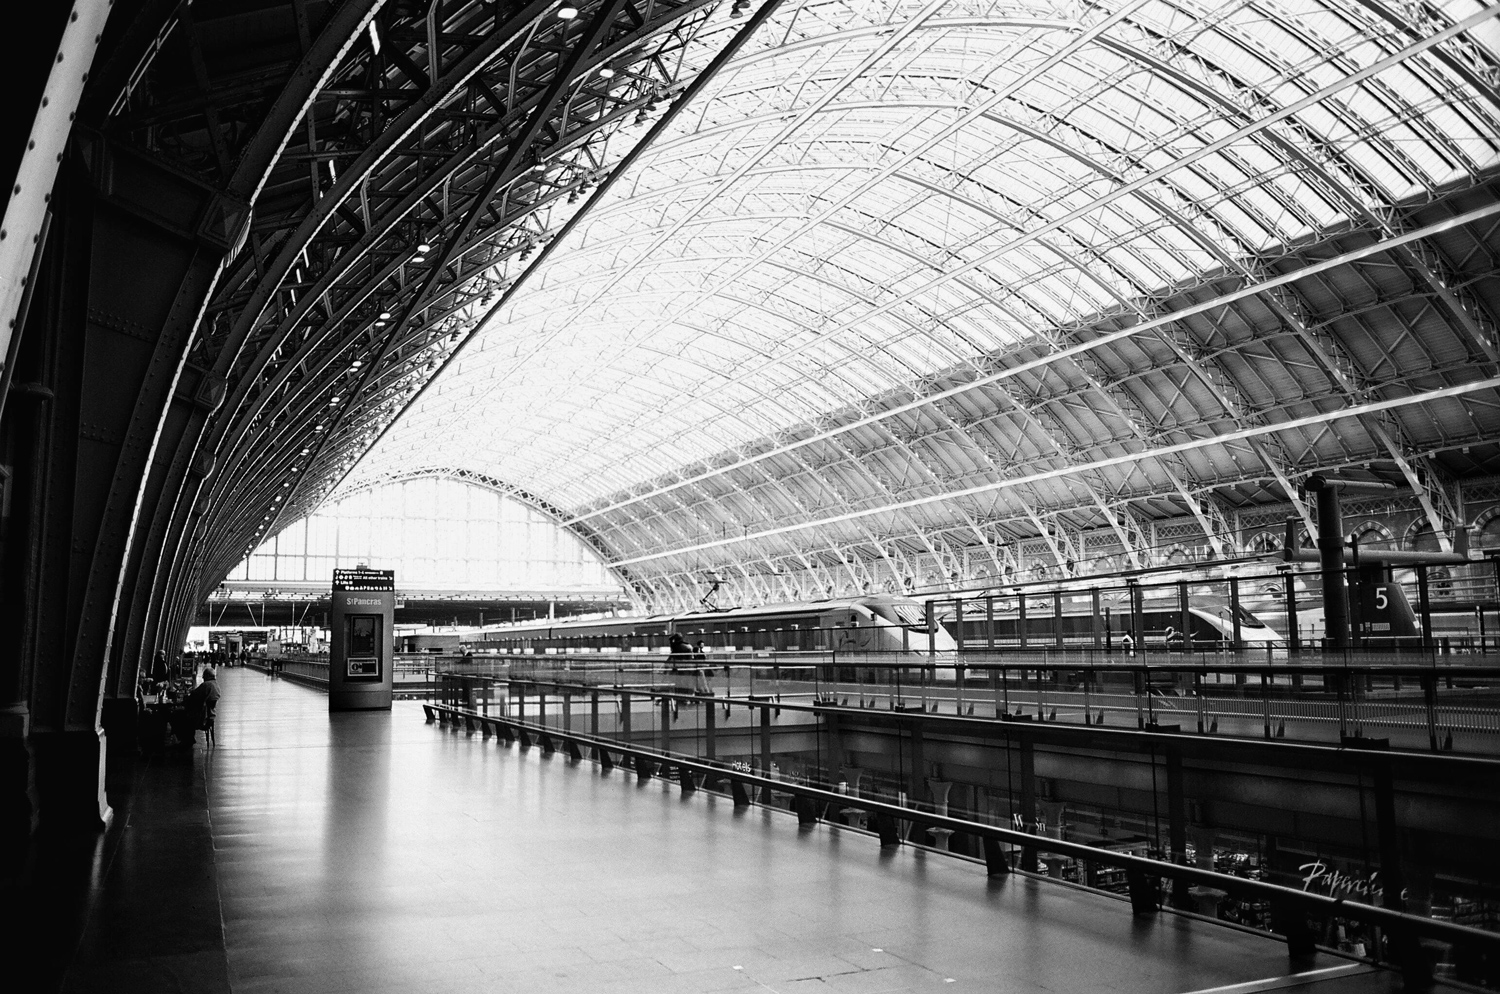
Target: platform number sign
1376	605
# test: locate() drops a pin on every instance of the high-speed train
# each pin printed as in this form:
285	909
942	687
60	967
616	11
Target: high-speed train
1210	623
877	623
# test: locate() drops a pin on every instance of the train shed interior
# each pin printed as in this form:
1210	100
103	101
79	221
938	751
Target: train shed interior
698	494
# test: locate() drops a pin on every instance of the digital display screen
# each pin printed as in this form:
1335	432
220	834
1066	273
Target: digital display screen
364	630
362	645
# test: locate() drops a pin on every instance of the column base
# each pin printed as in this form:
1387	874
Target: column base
18	797
120	717
70	769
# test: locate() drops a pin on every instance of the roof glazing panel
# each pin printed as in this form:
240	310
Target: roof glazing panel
874	193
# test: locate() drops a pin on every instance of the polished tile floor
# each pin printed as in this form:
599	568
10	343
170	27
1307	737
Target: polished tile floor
374	852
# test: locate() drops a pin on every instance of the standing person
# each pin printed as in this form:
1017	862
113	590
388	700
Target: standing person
679	652
159	667
703	672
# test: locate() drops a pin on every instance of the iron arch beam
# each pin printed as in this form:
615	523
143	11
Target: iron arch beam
1162	452
1245	291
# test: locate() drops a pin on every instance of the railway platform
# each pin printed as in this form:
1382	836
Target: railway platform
309	852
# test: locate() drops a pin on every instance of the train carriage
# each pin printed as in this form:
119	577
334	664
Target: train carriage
1210	626
874	624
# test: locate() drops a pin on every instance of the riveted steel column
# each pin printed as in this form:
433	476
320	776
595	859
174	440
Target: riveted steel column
1424	605
710	717
1184	609
765	739
1028	801
1057	619
1098	620
1021	618
1177	821
1331	562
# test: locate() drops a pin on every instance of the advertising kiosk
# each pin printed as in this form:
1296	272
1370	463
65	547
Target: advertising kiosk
361	628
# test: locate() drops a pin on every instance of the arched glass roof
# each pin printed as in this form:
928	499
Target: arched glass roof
437	534
899	251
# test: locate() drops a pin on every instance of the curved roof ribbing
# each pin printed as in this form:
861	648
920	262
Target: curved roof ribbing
913	279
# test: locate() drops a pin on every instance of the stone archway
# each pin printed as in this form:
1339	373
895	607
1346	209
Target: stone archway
1371	534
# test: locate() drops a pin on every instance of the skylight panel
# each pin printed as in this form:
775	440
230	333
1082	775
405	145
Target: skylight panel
913	352
1259	156
1094	121
1330	28
1250	66
1132	259
648	350
1249	230
1435	163
1256	201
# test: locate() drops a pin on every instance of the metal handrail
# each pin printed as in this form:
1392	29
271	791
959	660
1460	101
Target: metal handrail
1397	922
1039	657
816	708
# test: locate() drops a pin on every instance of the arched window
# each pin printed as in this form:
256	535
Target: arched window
1264	543
436	533
1422	538
1373	535
1489	534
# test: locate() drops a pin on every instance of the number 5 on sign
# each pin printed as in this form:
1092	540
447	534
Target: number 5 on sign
1381	600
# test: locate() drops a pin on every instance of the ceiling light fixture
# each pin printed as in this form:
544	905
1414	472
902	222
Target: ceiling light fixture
423	247
605	72
567	12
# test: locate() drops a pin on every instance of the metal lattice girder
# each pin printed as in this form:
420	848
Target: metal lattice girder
275	140
999	534
290	339
895	257
1308	422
